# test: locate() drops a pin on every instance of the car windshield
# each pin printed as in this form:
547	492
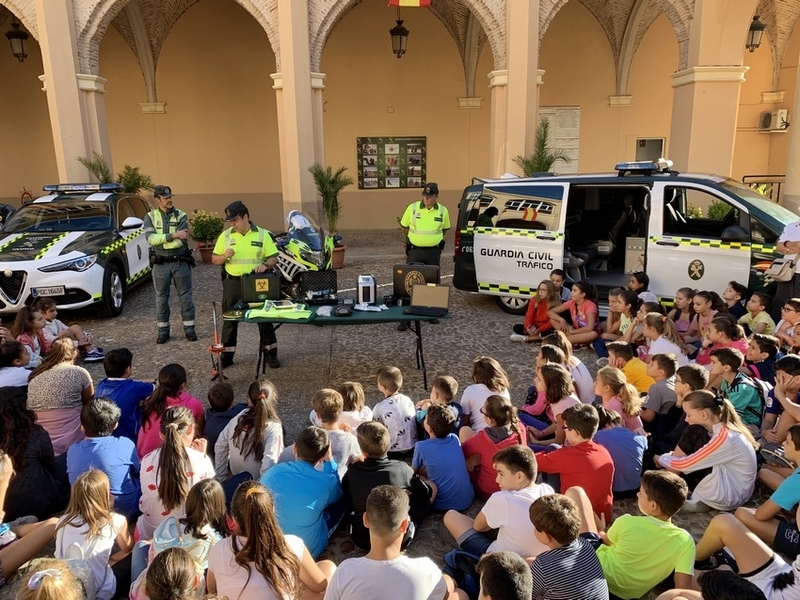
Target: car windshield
60	217
764	204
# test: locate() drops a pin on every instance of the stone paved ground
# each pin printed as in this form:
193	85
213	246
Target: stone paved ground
316	357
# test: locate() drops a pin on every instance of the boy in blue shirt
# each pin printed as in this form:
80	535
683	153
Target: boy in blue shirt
441	461
116	457
220	412
759	362
123	391
443	390
307	501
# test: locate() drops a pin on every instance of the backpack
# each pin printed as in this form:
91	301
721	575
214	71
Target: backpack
762	387
460	566
170	534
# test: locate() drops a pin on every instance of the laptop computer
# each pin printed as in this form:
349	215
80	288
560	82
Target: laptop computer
404	277
429	300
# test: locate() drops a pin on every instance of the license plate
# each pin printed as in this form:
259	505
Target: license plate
56	290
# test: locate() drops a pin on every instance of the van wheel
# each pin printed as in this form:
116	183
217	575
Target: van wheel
512	305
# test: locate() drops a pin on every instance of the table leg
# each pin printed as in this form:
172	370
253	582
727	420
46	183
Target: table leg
417	329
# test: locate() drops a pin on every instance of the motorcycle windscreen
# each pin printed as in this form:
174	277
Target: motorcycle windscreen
525	239
304	228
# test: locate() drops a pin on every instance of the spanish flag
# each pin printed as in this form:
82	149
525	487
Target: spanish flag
411	3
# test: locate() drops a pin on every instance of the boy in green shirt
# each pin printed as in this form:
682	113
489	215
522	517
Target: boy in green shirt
740	389
638	552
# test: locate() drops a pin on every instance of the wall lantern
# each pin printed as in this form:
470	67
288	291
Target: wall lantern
399	37
755	34
17	38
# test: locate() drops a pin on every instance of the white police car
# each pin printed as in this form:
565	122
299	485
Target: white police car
81	244
682	229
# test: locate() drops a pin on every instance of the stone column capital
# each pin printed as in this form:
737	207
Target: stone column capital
709	74
91	83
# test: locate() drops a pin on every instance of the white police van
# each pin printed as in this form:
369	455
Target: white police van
683	230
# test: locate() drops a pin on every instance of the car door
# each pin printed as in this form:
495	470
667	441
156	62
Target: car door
698	239
526	240
136	247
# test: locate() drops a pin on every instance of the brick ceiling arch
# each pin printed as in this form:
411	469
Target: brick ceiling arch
781	19
454	15
24	11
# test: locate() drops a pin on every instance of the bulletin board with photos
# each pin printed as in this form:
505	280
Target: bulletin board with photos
391	162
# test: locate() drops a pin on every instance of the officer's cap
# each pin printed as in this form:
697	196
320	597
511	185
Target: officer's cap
235	209
162	191
431	189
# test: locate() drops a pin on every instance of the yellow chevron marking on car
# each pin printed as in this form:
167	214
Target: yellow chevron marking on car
514	232
11	239
138	275
49	245
505	289
705	243
119	243
97	297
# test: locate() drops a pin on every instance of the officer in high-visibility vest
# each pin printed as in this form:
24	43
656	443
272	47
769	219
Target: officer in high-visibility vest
167	230
244	248
425	223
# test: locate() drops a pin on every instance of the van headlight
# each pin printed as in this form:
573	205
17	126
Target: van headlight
76	264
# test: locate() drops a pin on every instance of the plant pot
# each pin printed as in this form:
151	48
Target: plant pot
206	250
337	260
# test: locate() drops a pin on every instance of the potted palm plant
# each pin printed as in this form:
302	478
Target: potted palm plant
206	227
130	178
543	157
329	184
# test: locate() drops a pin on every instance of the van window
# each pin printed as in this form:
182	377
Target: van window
760	233
690	212
529	207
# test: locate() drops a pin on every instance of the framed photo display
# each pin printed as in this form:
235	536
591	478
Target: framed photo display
391	162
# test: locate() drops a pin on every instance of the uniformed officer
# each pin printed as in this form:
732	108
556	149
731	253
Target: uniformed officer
425	223
244	248
167	230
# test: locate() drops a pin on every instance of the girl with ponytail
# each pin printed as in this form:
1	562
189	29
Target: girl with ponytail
723	332
261	563
730	453
170	391
664	338
253	440
619	395
503	429
706	306
168	472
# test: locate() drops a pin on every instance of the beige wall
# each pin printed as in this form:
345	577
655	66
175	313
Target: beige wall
779	143
27	158
218	139
369	92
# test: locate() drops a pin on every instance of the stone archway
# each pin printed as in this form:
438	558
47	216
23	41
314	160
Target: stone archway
23	10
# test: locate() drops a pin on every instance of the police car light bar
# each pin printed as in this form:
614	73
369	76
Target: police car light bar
644	167
83	187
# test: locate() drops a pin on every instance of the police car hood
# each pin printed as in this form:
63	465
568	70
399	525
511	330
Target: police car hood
43	246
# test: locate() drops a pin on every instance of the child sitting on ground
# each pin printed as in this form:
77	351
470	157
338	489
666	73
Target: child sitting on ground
661	395
776	422
730	453
443	390
581	462
742	392
757	319
123	391
552	381
619	395
308	501
377	469
28	329
688	378
621	356
503	430
706	306
354	412
723	332
583	312
625	304
220	412
582	378
385	570
327	405
506	510
537	322
626	449
783	536
396	411
116	457
488	379
504	576
440	460
570	568
558	277
683	313
639	282
13	358
733	296
759	362
637	552
663	338
790	316
57	329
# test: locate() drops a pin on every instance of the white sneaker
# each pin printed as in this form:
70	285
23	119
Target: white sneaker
602	362
518	337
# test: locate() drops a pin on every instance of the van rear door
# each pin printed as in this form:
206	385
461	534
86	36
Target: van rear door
525	240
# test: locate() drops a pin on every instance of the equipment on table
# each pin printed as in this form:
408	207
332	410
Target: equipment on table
405	277
429	301
367	289
216	348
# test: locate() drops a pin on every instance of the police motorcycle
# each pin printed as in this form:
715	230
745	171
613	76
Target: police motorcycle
304	260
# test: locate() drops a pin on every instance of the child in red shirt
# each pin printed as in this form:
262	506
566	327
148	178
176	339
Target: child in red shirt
537	321
581	462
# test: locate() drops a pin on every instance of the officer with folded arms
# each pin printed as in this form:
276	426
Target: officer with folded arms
242	249
167	232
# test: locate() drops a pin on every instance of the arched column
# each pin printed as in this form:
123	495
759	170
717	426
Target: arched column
791	192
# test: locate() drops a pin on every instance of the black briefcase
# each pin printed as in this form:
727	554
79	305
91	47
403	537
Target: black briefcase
259	287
